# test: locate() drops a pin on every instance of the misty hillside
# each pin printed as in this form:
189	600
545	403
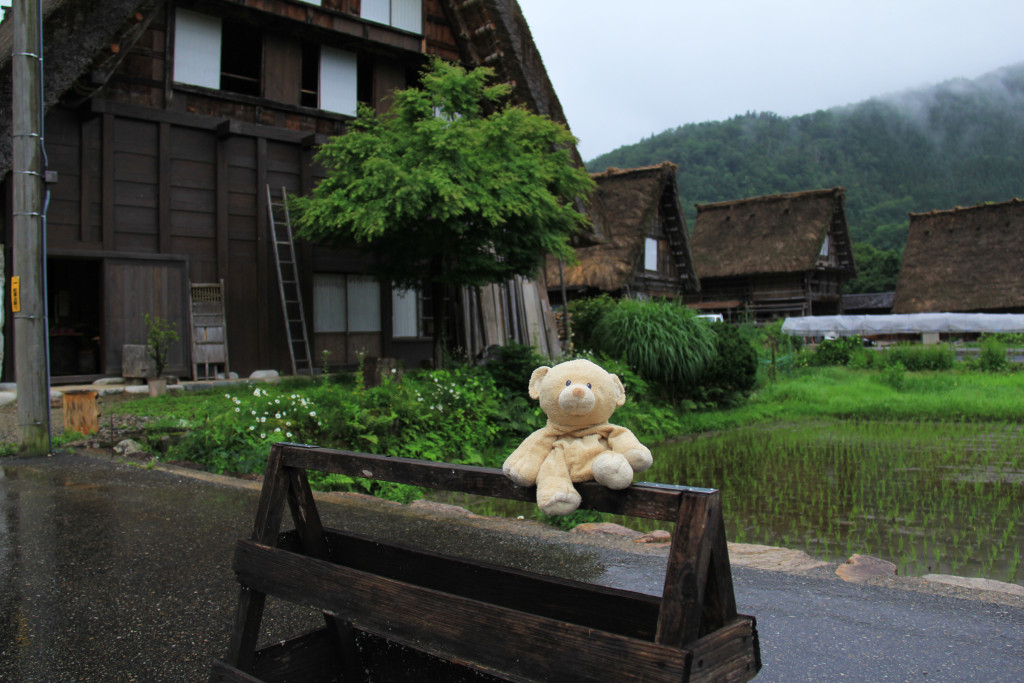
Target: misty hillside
956	144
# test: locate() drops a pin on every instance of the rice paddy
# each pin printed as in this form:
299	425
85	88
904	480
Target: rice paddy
931	497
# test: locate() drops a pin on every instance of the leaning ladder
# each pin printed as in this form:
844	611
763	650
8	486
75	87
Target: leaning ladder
288	284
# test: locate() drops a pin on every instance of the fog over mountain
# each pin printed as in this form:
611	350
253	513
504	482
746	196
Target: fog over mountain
959	143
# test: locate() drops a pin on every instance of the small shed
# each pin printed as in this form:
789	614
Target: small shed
778	255
964	260
642	247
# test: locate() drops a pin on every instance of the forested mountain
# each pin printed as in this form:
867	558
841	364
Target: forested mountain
959	143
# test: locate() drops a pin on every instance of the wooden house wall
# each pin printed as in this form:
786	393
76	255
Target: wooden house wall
160	185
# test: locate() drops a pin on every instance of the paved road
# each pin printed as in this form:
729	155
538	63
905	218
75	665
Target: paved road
111	572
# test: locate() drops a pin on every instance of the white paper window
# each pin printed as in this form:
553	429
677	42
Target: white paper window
407	15
329	302
197	49
651	254
376	10
338	81
824	248
363	304
405	311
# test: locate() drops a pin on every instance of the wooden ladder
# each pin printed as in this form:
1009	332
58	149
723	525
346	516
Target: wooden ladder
288	284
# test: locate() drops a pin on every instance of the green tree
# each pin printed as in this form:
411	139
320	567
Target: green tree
450	187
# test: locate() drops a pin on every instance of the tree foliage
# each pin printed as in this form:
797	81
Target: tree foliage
449	186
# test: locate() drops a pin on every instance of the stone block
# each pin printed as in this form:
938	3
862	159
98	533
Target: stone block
136	363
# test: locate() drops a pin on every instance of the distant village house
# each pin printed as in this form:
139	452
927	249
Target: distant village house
773	256
964	260
642	246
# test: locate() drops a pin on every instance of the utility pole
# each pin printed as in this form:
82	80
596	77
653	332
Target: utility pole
28	289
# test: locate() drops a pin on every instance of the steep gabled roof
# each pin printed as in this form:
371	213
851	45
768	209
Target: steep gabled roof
780	233
963	259
623	208
79	37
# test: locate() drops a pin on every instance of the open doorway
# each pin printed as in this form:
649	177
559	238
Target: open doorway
74	293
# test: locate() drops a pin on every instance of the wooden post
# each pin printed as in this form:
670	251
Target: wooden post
30	340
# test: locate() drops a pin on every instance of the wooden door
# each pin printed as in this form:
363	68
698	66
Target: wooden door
134	288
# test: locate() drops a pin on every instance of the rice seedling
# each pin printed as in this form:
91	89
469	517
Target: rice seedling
928	496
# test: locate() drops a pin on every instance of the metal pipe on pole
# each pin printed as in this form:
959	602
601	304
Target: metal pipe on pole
28	288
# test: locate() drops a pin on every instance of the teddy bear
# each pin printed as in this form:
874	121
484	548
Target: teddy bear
577	444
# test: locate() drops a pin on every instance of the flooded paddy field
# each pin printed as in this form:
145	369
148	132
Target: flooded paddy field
929	497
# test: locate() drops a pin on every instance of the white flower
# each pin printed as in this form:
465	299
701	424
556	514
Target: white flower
288	434
263	436
238	410
312	413
277	415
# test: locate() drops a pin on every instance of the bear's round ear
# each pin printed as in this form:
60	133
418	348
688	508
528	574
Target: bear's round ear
620	391
535	379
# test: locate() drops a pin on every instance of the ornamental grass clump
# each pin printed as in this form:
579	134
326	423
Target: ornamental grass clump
664	342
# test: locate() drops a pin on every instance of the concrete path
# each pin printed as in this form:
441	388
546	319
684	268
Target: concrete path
113	572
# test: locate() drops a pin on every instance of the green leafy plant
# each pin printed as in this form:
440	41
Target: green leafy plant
512	365
585	315
664	342
918	357
733	371
993	355
160	334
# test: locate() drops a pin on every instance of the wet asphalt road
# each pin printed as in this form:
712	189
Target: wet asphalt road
110	572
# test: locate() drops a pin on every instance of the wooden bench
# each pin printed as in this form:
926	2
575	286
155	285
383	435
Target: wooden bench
397	613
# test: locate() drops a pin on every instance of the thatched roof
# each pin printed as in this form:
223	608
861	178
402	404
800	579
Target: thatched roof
780	233
963	259
623	208
77	40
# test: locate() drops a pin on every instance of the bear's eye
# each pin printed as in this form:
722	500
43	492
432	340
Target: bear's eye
568	382
588	385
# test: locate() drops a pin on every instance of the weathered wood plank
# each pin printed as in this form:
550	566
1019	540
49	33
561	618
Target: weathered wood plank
651	501
607	609
682	605
310	658
225	673
518	645
731	653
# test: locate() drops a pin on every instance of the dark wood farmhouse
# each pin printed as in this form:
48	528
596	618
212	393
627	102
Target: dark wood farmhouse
166	123
642	244
774	256
964	260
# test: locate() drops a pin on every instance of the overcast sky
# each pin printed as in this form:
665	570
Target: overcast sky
626	70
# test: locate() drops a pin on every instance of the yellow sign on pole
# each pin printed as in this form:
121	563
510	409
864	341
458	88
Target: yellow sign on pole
15	294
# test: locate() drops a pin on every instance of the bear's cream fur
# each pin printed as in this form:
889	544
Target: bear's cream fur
577	444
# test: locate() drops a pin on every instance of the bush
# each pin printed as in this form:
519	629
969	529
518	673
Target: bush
662	341
920	357
836	351
585	314
993	355
511	367
733	371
